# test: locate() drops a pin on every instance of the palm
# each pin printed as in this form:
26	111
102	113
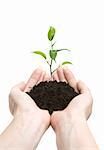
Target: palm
19	101
36	77
79	103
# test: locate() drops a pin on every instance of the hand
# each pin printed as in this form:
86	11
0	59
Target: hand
70	123
81	105
23	106
19	101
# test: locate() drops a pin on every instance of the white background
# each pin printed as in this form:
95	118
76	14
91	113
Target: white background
80	26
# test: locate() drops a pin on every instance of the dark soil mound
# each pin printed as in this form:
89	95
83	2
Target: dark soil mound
52	95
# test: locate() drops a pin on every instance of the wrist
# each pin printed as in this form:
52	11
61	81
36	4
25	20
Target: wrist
76	116
24	119
74	134
35	118
30	127
22	131
69	119
65	127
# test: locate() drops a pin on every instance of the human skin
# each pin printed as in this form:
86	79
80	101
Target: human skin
30	122
70	125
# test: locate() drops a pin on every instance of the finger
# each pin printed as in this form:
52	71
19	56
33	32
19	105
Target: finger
34	78
46	77
55	76
16	90
61	74
41	77
18	97
70	78
20	86
11	105
82	87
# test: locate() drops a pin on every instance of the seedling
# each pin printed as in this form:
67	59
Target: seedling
52	95
52	51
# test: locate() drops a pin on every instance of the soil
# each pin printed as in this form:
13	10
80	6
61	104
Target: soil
52	95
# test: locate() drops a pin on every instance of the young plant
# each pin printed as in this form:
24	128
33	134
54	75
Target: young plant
52	52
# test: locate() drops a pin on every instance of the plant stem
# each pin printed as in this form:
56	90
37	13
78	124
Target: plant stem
51	68
55	69
51	45
51	61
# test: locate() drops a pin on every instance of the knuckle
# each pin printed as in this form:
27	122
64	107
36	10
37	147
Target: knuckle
13	92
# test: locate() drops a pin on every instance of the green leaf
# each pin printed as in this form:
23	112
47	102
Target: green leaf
51	33
66	62
53	54
40	53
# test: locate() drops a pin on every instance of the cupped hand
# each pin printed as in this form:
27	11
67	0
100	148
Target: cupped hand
80	106
22	103
29	122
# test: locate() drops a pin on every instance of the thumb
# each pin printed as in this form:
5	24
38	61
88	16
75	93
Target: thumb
17	89
20	86
82	87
